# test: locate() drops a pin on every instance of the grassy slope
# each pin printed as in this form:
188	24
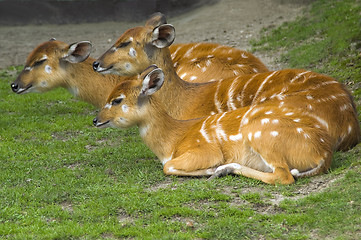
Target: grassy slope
63	179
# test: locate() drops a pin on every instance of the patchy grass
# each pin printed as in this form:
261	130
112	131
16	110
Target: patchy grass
61	178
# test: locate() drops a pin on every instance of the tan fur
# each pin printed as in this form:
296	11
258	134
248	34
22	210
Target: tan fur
318	96
202	147
93	87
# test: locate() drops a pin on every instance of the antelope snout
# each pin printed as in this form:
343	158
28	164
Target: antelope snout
14	87
96	66
95	121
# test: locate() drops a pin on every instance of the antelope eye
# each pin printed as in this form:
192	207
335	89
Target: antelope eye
38	63
117	101
124	44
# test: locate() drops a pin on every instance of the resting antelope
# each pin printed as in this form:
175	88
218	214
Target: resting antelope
319	97
261	142
56	64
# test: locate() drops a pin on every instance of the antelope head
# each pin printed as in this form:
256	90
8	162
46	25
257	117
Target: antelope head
136	49
46	66
127	104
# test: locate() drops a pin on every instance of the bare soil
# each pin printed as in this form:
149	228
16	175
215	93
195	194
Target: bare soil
229	22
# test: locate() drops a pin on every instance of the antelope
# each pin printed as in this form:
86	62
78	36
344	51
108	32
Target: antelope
319	97
56	64
261	141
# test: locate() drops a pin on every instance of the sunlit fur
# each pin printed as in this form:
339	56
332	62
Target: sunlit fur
87	85
318	96
185	151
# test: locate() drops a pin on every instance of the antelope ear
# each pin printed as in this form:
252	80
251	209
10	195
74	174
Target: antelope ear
163	35
152	82
156	19
78	52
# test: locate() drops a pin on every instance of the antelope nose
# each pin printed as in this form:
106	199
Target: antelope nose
14	87
95	65
95	121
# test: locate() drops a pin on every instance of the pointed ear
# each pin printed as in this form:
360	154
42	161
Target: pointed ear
152	82
78	52
163	36
156	19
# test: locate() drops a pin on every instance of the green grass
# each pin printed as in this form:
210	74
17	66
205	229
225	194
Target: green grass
61	178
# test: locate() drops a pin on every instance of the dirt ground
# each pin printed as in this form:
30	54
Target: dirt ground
228	22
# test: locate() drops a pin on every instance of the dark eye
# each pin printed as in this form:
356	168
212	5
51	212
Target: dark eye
117	101
124	44
38	63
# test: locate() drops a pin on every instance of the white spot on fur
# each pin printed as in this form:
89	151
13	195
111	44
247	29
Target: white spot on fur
297	120
125	108
299	130
268	112
306	135
244	55
275	121
264	121
344	107
250	136
309	97
48	69
236	137
193	78
108	106
183	75
132	52
204	69
349	129
28	68
274	133
257	134
289	114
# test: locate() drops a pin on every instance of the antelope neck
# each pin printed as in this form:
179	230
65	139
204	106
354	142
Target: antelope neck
161	132
89	86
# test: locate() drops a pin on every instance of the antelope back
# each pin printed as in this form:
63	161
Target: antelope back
142	46
203	62
317	96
